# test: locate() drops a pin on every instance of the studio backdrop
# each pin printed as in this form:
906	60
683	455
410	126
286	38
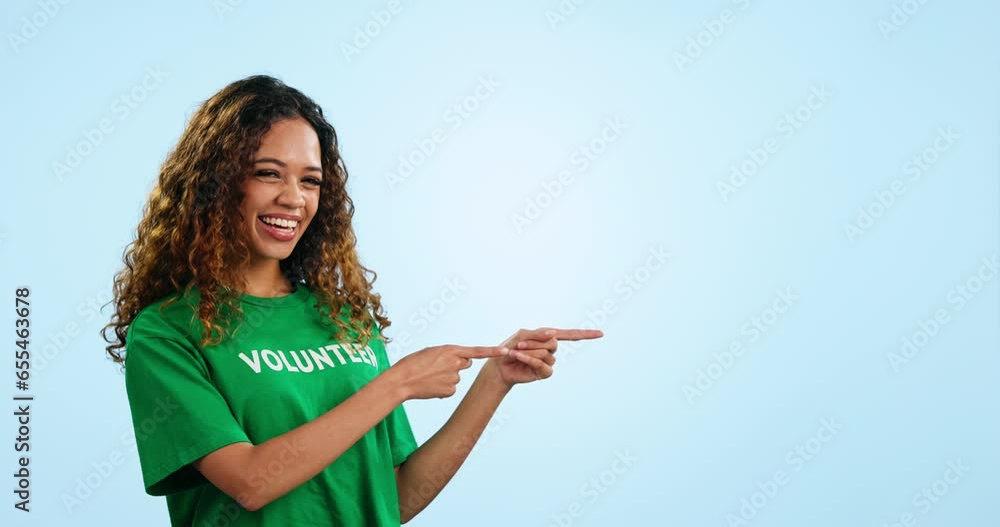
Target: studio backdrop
783	216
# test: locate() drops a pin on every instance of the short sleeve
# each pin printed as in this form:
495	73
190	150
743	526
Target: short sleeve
178	414
402	442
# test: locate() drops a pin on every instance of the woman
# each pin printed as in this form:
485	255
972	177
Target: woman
256	371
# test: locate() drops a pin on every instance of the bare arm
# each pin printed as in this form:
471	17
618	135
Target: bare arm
304	451
429	468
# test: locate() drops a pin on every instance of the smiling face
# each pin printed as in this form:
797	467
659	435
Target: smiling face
282	193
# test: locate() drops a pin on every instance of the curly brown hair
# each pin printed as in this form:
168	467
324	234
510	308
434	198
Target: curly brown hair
190	235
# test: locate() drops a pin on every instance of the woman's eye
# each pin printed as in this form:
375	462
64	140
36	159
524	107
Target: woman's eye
314	181
267	173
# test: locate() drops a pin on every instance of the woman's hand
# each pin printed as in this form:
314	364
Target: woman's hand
433	372
532	353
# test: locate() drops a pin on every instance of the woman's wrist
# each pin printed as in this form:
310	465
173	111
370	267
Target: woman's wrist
490	374
391	383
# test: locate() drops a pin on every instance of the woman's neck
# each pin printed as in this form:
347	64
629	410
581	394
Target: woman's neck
267	280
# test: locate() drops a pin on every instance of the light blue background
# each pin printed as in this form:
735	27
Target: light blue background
655	186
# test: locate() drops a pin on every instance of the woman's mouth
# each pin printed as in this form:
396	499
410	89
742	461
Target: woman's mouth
279	229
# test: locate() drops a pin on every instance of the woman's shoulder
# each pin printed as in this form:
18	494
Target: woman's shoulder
169	317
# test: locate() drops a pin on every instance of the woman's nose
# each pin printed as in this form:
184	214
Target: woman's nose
292	195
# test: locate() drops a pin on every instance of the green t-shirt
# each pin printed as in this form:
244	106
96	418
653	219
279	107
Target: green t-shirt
278	371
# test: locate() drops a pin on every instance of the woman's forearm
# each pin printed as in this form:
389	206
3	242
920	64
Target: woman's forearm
428	469
244	471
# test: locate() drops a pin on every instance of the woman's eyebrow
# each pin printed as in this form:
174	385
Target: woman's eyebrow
282	164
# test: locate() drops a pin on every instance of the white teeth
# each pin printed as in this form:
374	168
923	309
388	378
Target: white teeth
288	224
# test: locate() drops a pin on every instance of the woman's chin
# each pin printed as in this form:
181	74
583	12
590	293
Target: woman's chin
262	254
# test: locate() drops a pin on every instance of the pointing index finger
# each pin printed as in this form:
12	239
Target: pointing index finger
577	334
481	352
